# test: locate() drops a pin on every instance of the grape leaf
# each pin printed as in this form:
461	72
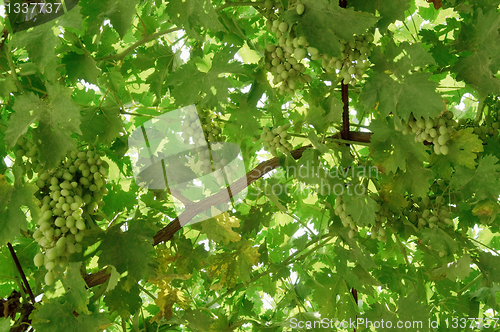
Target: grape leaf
414	180
93	12
248	256
198	320
12	218
191	15
392	149
418	95
335	23
490	266
103	124
40	43
243	123
163	65
326	286
120	14
379	93
128	251
81	66
75	289
225	267
53	316
410	308
463	147
117	199
124	299
58	118
4	325
459	269
481	37
414	94
481	182
7	86
439	240
210	85
27	109
220	228
390	11
361	208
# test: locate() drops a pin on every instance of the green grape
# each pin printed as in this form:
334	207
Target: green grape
443	139
300	9
444	150
49	278
50	265
38	260
283	27
80	224
51	254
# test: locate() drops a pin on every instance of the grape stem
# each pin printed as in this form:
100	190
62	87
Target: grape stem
137	114
122	55
21	272
403	250
242	3
469	285
484	245
13	70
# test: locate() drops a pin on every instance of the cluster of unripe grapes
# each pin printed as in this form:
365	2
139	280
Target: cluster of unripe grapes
353	62
345	218
285	66
283	60
211	132
485	130
437	130
66	194
424	214
490	127
382	214
26	157
277	139
191	128
383	217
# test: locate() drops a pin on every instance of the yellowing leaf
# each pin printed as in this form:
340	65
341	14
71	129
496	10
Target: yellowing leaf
220	228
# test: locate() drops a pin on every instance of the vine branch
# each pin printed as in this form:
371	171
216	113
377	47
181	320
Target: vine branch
21	272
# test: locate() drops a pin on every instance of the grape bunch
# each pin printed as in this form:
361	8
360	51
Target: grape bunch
437	130
490	128
277	138
285	67
424	214
191	125
353	62
383	217
211	132
26	157
66	194
283	59
345	218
